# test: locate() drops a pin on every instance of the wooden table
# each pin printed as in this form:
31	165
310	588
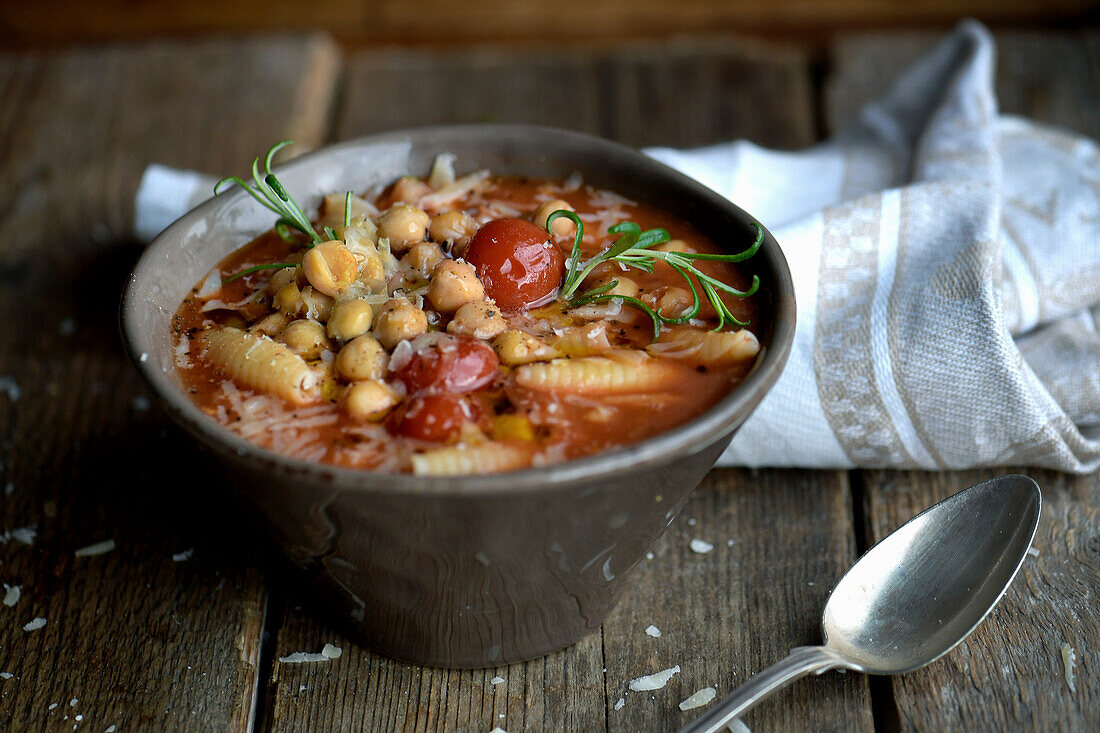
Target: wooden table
181	625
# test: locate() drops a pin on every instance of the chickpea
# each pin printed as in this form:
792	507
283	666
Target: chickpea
330	267
361	358
288	300
369	400
422	257
562	227
480	319
269	325
317	305
397	320
280	279
305	338
350	319
409	190
674	245
674	302
626	287
516	347
455	228
404	226
453	285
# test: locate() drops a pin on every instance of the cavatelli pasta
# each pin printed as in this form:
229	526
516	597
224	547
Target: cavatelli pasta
598	375
480	458
260	363
708	347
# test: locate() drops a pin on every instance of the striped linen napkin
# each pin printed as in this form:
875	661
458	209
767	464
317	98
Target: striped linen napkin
946	263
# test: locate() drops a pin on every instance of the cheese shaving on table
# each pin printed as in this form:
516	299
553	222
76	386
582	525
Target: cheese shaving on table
34	625
701	547
97	548
496	680
699	699
620	703
1033	551
11	595
183	556
328	653
1069	661
736	726
6	675
654	681
653	631
25	535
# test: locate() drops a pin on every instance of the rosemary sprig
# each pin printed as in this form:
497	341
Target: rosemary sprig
257	268
269	191
633	249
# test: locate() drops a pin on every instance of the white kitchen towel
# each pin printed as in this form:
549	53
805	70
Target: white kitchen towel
946	263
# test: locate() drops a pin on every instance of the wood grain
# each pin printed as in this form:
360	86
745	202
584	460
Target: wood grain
1050	77
1008	675
781	540
673	93
418	21
707	606
133	638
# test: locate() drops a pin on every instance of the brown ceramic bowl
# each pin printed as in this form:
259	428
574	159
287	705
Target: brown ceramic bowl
469	571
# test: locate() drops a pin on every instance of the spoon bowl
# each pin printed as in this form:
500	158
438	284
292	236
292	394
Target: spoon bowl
915	595
920	591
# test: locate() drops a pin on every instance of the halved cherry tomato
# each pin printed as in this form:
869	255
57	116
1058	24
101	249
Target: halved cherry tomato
517	262
435	417
442	363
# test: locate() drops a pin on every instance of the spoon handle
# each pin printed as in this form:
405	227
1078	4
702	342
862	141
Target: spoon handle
800	662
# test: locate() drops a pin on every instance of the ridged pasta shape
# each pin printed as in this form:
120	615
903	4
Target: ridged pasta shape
708	347
598	375
259	363
487	457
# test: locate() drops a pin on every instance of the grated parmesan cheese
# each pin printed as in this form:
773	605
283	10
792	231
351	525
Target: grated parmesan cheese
183	556
701	547
25	535
653	631
654	681
496	680
699	699
9	385
34	625
11	595
1069	661
300	657
1033	551
6	675
331	651
620	703
97	548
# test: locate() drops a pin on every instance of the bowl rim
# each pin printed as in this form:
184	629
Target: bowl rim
689	438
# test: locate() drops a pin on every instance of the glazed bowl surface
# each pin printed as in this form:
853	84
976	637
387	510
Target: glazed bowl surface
468	571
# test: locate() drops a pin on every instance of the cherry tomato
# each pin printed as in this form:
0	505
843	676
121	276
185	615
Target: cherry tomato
435	417
448	364
518	263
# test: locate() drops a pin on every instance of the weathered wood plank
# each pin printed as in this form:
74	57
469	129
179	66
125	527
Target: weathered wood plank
1008	675
412	21
1047	76
672	93
708	606
781	540
132	638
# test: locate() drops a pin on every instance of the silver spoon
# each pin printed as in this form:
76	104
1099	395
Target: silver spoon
912	597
